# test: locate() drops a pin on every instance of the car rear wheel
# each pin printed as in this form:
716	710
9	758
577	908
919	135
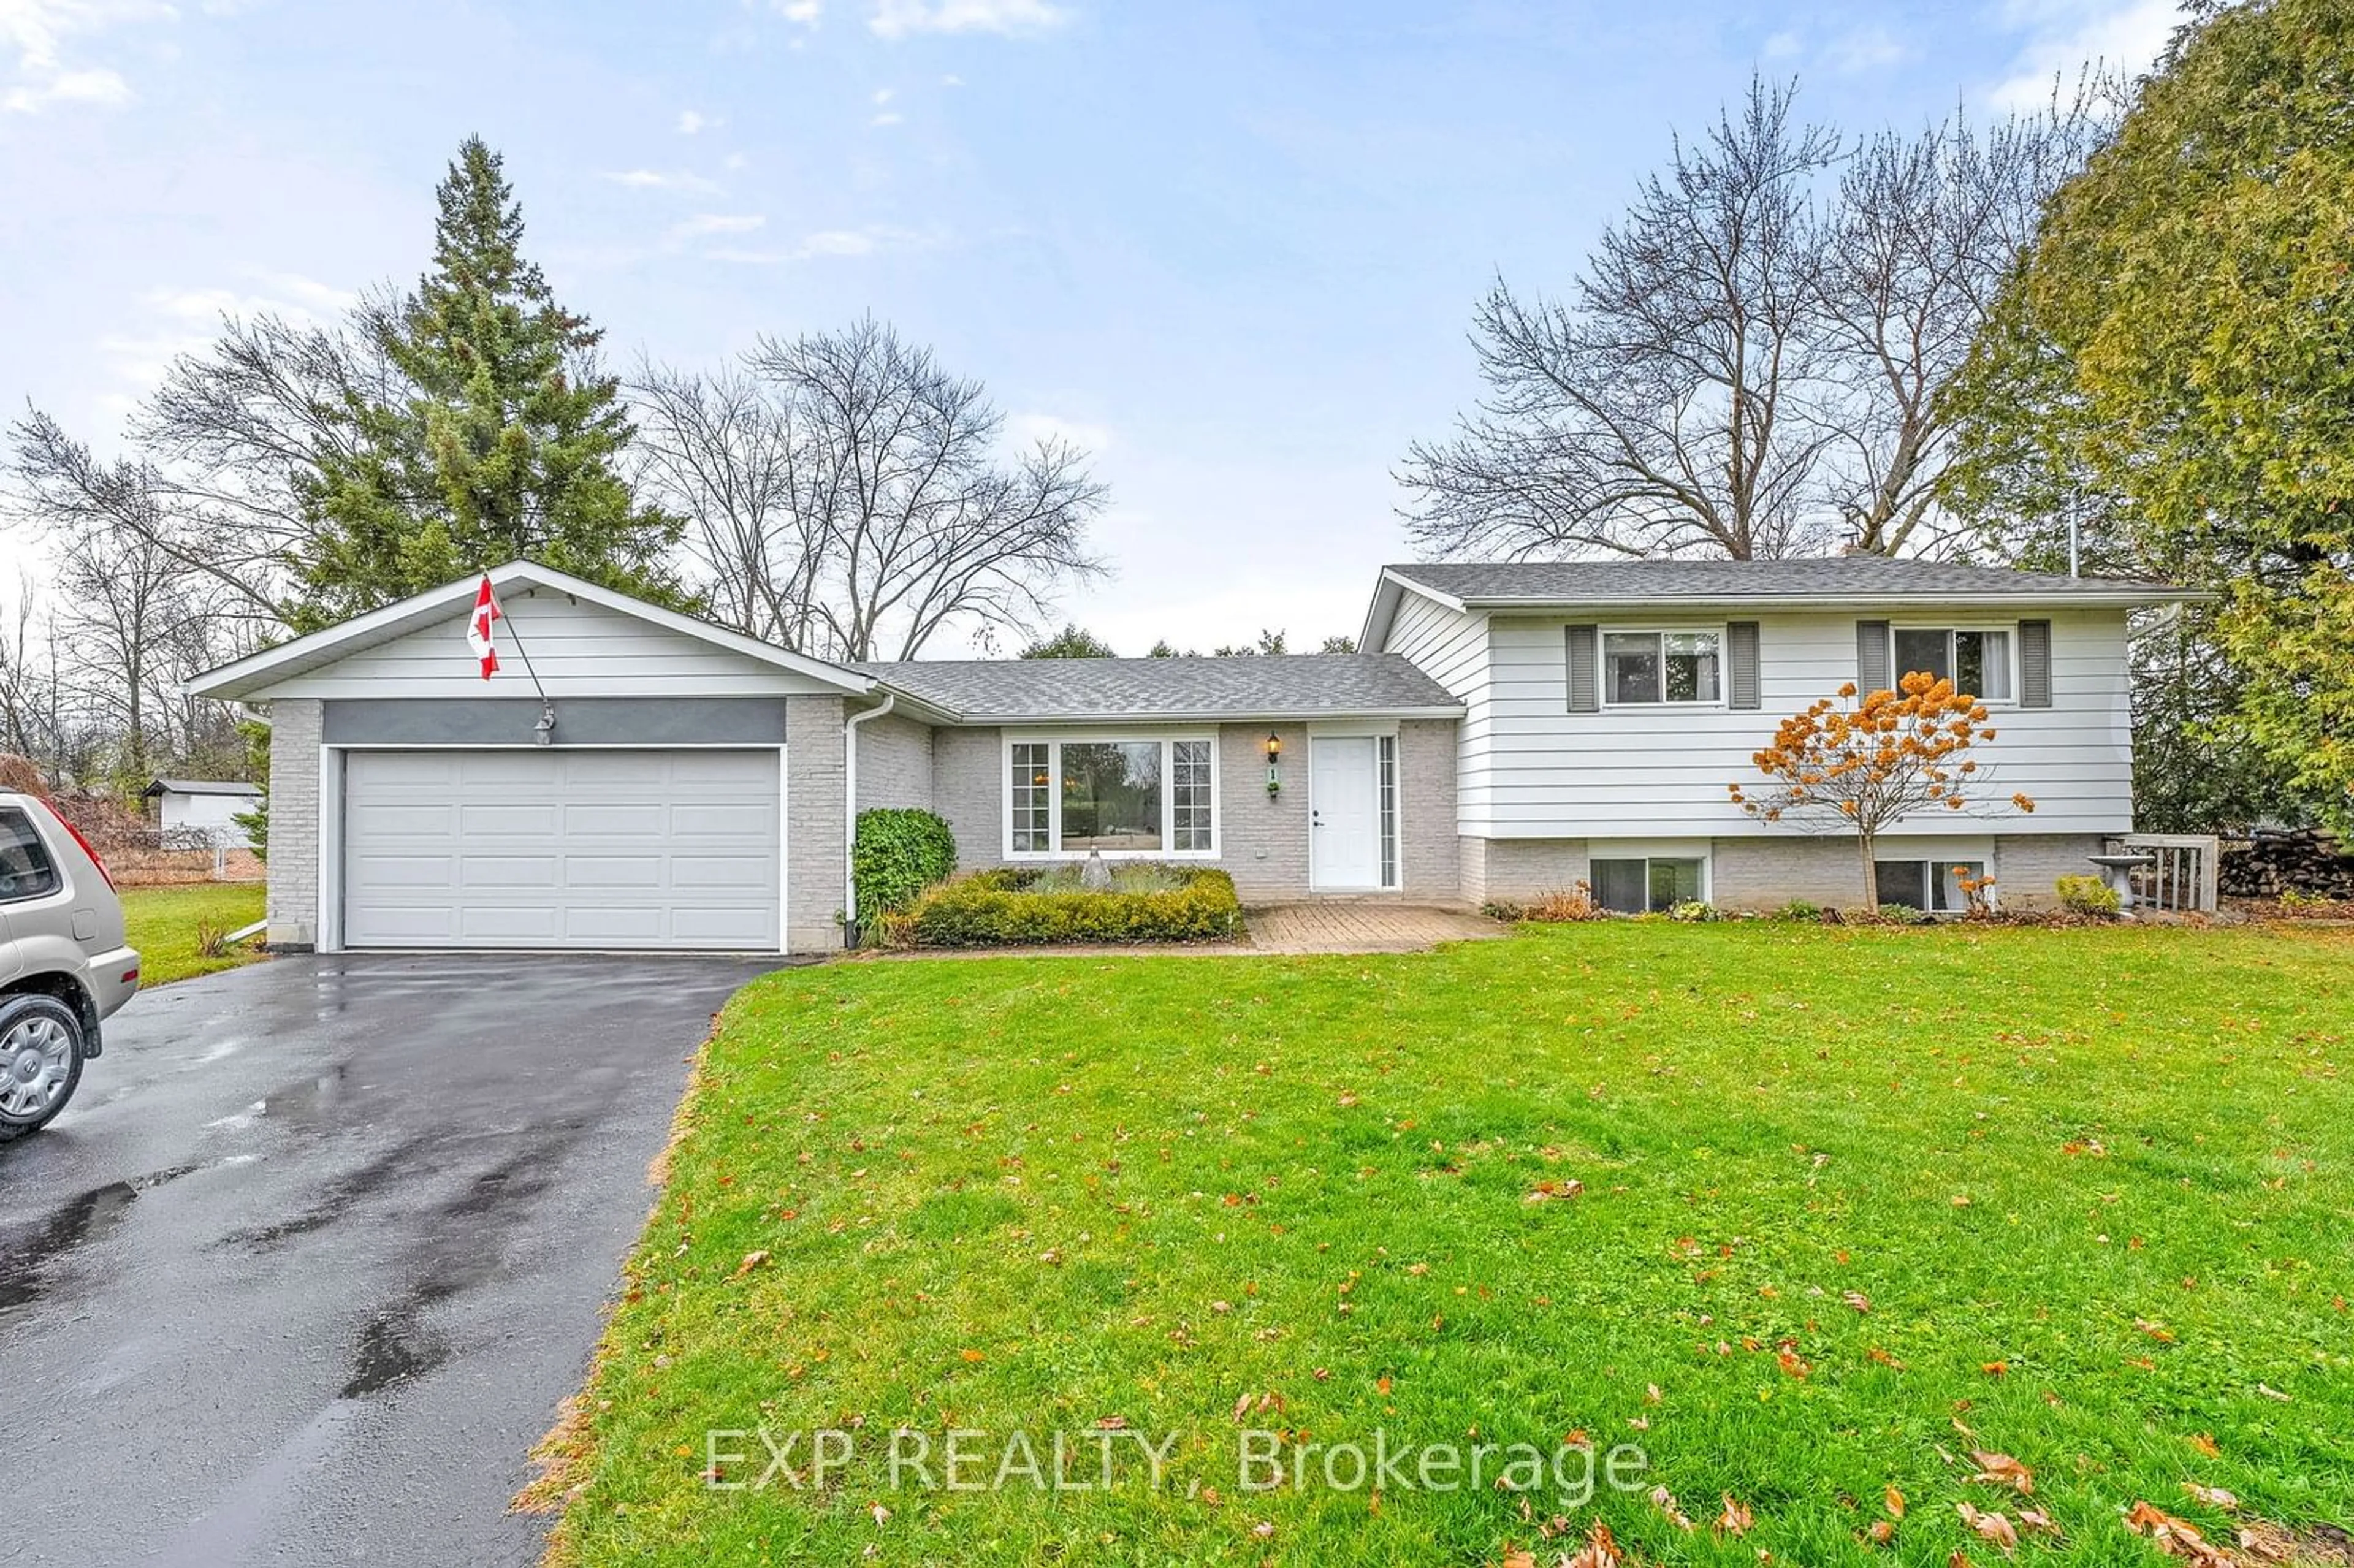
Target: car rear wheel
40	1062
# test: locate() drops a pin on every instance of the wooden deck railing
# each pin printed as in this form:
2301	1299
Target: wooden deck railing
2180	876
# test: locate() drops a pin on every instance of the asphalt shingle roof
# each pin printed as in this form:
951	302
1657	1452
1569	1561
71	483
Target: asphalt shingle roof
1838	577
1298	685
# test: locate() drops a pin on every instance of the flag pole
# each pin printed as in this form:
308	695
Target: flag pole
545	730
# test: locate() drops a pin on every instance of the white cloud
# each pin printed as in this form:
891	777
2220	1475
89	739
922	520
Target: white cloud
802	13
690	121
1027	430
1781	45
655	180
1868	49
899	18
704	224
170	322
2063	37
951	80
886	120
827	243
883	95
37	33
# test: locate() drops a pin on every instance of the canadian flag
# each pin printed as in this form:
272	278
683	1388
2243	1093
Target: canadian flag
477	627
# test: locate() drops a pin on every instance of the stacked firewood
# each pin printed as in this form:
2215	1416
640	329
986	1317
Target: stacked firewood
2307	860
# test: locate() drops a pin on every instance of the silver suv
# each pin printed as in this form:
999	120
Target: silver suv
63	964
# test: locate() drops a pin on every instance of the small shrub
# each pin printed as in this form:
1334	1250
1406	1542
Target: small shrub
1691	909
1019	906
2086	895
1574	902
1504	909
212	941
897	854
1978	896
1903	914
1799	909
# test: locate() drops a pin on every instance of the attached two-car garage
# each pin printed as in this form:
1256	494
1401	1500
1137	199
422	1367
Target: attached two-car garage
552	848
622	777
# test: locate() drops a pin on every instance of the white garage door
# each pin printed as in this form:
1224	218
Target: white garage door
561	849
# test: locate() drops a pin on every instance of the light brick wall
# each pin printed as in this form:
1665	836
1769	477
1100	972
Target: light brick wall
292	898
815	859
1262	840
1426	773
1517	870
1764	874
966	791
2027	864
895	763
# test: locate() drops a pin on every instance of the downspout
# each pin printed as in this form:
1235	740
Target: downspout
849	814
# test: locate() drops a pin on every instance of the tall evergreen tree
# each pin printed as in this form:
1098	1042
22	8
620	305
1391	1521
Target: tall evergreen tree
502	443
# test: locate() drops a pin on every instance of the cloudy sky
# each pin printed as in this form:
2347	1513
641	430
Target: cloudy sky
1231	248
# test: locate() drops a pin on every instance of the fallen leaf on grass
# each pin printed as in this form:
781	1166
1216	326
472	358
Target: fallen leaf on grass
1993	1526
2213	1497
2002	1470
2269	1392
2158	1331
972	1355
2176	1537
1883	1531
1665	1502
752	1260
1545	1190
1856	1299
2204	1442
1896	1501
1600	1551
1792	1363
1514	1557
1736	1518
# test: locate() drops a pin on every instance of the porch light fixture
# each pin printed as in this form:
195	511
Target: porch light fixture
1274	756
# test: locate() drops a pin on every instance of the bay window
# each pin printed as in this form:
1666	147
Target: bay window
1112	796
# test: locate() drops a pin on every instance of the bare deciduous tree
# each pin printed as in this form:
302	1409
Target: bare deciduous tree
1750	364
1914	248
850	498
1657	410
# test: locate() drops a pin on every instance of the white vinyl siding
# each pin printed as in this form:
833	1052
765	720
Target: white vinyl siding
1531	769
578	650
1452	648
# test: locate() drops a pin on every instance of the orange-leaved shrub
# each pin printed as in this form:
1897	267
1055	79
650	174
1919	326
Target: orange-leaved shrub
1867	762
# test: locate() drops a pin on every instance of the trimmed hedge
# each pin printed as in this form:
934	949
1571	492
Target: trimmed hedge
897	853
1004	908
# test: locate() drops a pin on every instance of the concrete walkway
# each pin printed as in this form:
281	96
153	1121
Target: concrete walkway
1366	928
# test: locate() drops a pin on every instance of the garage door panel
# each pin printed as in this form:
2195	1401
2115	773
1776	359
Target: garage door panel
493	873
551	848
436	872
702	872
389	819
520	820
536	925
709	927
614	821
733	823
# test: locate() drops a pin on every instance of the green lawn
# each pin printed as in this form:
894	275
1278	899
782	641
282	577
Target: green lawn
163	923
2089	1188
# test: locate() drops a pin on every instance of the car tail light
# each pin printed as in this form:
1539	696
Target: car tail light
85	846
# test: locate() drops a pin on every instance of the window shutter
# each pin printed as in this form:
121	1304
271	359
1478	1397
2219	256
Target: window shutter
1585	672
1741	665
1872	657
2035	663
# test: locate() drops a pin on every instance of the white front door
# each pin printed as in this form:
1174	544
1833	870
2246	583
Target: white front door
1345	833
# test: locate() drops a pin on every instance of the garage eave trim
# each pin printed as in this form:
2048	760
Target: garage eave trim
254	676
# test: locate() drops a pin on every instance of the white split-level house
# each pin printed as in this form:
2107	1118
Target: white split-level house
1507	730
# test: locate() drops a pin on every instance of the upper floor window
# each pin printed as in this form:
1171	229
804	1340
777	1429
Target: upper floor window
1661	666
1978	662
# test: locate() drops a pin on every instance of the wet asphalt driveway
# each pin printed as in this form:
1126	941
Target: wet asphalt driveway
303	1272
